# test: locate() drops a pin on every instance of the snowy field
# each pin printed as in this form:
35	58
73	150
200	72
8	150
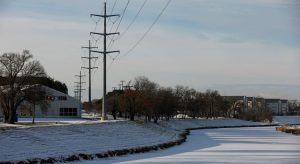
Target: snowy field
74	136
287	119
43	142
182	124
25	122
234	145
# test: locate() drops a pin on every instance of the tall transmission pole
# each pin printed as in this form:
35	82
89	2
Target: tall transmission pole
75	92
104	52
79	89
90	69
122	82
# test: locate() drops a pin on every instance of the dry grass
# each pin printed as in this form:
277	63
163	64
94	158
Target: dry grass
289	129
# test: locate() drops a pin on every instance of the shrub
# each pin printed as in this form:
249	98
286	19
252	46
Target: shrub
257	116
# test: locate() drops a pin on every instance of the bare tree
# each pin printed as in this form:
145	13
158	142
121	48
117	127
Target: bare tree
35	95
214	99
186	97
198	104
148	91
166	104
130	103
113	101
17	69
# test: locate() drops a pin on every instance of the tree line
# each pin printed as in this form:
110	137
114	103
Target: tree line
148	100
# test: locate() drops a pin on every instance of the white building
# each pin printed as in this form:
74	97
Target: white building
277	106
284	105
59	105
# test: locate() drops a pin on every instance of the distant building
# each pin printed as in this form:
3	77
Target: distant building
284	105
60	105
276	106
273	105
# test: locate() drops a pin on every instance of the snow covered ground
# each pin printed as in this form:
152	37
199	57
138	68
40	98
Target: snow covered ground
287	119
232	145
76	136
45	119
43	142
27	122
182	124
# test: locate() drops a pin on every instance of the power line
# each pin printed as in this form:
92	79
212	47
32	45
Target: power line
148	30
127	28
122	15
112	10
95	28
133	20
143	36
99	37
130	24
109	19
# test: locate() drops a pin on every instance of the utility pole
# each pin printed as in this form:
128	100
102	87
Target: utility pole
79	89
104	52
90	69
122	82
75	92
128	87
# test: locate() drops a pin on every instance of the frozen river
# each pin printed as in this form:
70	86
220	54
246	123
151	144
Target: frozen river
232	145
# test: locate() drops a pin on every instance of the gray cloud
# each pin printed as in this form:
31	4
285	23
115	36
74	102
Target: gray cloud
196	43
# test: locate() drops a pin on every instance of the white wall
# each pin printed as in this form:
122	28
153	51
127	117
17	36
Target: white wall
53	109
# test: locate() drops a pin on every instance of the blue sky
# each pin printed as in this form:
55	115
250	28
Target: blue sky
217	44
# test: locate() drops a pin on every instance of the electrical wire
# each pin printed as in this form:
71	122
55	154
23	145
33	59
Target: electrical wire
122	16
133	20
113	7
109	18
123	13
130	24
96	39
112	10
143	36
148	30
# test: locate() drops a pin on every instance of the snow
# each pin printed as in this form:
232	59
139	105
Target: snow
287	119
74	136
230	145
52	119
57	121
182	124
43	142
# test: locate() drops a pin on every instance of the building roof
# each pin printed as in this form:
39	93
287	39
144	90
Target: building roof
272	100
234	97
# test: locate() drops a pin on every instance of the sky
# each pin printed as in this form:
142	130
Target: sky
238	47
